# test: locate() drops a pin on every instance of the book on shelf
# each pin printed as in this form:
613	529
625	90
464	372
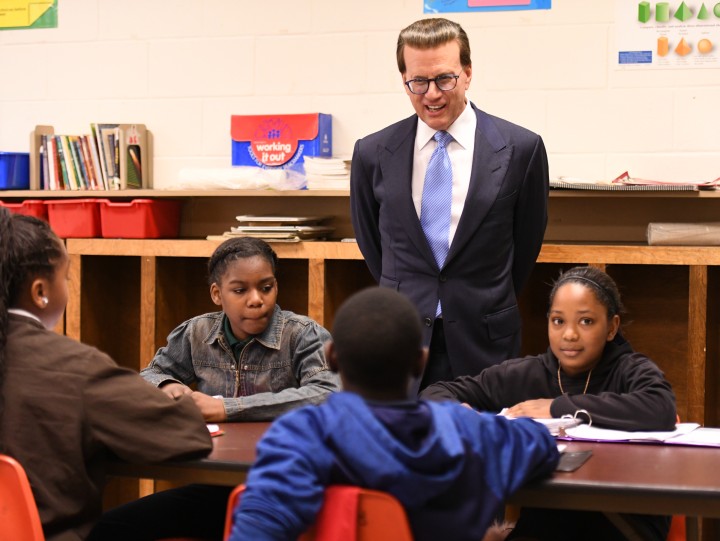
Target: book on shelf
64	169
76	162
111	157
95	159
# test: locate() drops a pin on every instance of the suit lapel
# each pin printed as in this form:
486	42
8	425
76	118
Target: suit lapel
491	159
396	161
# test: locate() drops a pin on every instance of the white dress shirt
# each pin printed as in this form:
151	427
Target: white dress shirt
460	151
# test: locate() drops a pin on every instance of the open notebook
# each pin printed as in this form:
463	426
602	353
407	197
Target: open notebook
684	434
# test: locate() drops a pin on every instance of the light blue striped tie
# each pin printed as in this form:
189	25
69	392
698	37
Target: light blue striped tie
437	200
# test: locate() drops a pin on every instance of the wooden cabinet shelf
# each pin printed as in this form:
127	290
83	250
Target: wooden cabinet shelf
127	295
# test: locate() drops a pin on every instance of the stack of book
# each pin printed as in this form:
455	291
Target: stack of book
279	228
327	173
112	157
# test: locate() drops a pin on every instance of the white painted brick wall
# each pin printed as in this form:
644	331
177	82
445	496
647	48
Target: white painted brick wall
183	67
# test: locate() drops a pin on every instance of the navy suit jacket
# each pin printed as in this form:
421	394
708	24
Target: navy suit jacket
494	248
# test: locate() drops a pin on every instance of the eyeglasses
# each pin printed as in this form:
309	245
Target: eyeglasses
444	82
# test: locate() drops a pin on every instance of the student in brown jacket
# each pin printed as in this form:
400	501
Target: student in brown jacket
65	407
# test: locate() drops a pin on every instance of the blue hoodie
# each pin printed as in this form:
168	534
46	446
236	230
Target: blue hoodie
450	467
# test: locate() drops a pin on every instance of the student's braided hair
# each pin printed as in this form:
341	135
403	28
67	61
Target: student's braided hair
28	249
238	248
599	282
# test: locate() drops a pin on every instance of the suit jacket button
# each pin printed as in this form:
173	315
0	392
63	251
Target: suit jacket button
428	322
443	278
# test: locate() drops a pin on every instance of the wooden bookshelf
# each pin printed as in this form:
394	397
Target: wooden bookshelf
127	295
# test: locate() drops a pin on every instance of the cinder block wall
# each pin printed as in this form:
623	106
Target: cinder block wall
183	67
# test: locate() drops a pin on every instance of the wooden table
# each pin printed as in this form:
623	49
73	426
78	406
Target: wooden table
634	478
619	477
232	455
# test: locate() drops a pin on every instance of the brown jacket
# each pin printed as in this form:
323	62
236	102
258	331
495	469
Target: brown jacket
68	407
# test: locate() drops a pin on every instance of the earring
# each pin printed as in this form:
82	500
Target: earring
44	301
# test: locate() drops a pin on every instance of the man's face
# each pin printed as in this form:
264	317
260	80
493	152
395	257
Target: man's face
437	108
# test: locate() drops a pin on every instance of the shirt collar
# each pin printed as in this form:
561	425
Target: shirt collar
462	130
229	335
270	337
21	312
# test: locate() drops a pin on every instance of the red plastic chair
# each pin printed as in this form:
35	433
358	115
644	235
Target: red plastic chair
19	518
348	513
678	530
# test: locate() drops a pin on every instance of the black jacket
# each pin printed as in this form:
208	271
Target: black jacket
627	391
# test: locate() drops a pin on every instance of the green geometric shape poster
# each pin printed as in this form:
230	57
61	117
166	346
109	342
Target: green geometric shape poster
680	34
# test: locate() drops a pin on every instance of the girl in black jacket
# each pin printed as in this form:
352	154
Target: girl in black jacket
588	366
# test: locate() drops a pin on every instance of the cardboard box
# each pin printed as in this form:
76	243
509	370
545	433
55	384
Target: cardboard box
280	141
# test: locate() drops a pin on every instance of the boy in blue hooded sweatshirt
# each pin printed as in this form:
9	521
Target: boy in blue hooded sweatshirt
450	467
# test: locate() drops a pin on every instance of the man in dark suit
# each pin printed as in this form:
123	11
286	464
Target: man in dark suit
467	291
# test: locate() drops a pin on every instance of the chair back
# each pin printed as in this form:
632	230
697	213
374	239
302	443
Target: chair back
19	518
349	513
678	530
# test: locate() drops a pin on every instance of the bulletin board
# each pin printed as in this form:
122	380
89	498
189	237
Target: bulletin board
467	6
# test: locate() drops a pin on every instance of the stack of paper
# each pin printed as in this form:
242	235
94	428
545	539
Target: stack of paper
684	434
327	173
279	228
556	425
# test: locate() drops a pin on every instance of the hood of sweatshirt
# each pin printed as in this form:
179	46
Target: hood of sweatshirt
413	475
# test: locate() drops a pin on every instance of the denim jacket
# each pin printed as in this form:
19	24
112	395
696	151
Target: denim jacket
278	370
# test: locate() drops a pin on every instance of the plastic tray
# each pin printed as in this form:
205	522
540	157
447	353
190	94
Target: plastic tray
74	218
140	219
28	207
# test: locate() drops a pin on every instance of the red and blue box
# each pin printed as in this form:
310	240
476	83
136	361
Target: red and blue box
280	141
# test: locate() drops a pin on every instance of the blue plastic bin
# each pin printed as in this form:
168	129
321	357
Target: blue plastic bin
14	170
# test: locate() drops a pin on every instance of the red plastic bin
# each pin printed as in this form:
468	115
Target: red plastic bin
29	207
74	218
140	219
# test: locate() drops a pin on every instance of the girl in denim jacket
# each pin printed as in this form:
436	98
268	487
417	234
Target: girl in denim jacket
252	361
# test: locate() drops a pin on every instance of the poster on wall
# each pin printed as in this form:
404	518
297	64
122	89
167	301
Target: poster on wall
467	6
27	14
662	35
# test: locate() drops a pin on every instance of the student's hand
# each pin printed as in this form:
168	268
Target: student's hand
212	408
539	409
176	390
